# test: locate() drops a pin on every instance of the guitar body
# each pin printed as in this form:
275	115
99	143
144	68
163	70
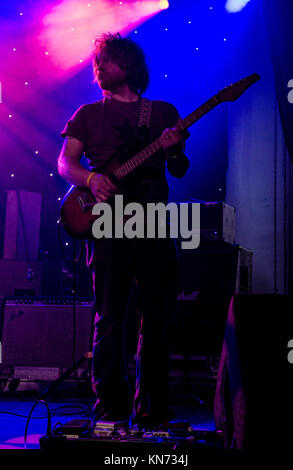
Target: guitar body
76	206
76	212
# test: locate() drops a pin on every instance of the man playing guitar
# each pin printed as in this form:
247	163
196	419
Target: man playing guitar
96	130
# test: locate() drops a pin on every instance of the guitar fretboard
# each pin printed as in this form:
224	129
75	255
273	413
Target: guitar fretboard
199	112
135	161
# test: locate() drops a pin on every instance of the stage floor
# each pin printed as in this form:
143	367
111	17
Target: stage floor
16	407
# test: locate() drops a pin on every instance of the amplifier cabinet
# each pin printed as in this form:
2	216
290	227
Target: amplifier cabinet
208	278
40	333
217	221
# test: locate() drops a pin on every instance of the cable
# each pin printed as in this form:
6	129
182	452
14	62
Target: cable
50	414
53	412
29	417
74	260
22	416
83	410
55	425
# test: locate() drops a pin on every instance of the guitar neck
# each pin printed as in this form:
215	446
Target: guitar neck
134	162
199	112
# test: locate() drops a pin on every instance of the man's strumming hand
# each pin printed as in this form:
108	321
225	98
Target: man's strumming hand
102	187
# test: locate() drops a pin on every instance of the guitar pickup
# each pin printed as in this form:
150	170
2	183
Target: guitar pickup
84	201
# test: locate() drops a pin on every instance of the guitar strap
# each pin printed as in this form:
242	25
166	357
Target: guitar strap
145	113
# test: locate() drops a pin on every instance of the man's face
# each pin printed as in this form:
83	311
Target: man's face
110	75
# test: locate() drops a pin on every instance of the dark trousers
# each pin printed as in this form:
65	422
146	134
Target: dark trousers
153	264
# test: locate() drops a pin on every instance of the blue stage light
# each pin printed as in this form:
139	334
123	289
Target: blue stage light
233	6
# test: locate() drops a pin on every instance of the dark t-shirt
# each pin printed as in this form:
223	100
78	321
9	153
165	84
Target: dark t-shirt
103	125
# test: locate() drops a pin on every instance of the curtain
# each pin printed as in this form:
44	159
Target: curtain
278	20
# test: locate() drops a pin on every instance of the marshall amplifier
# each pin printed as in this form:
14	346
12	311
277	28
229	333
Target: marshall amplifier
217	221
208	277
40	332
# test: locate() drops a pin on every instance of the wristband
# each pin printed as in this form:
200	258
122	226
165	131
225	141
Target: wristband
89	178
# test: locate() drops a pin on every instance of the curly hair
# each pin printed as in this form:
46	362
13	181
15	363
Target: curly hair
128	55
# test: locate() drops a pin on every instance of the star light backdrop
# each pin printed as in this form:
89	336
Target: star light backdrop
46	74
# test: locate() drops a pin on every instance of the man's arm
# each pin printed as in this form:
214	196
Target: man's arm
70	168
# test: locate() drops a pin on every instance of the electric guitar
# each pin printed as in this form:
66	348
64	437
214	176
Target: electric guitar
76	206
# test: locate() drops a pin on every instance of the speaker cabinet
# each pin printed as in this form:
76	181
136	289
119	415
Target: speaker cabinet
253	401
39	333
208	277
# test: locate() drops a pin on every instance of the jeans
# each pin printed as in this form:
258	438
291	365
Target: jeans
153	264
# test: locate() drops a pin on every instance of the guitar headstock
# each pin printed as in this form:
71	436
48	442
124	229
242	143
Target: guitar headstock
232	92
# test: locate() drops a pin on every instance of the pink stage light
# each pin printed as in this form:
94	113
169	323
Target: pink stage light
47	45
69	28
